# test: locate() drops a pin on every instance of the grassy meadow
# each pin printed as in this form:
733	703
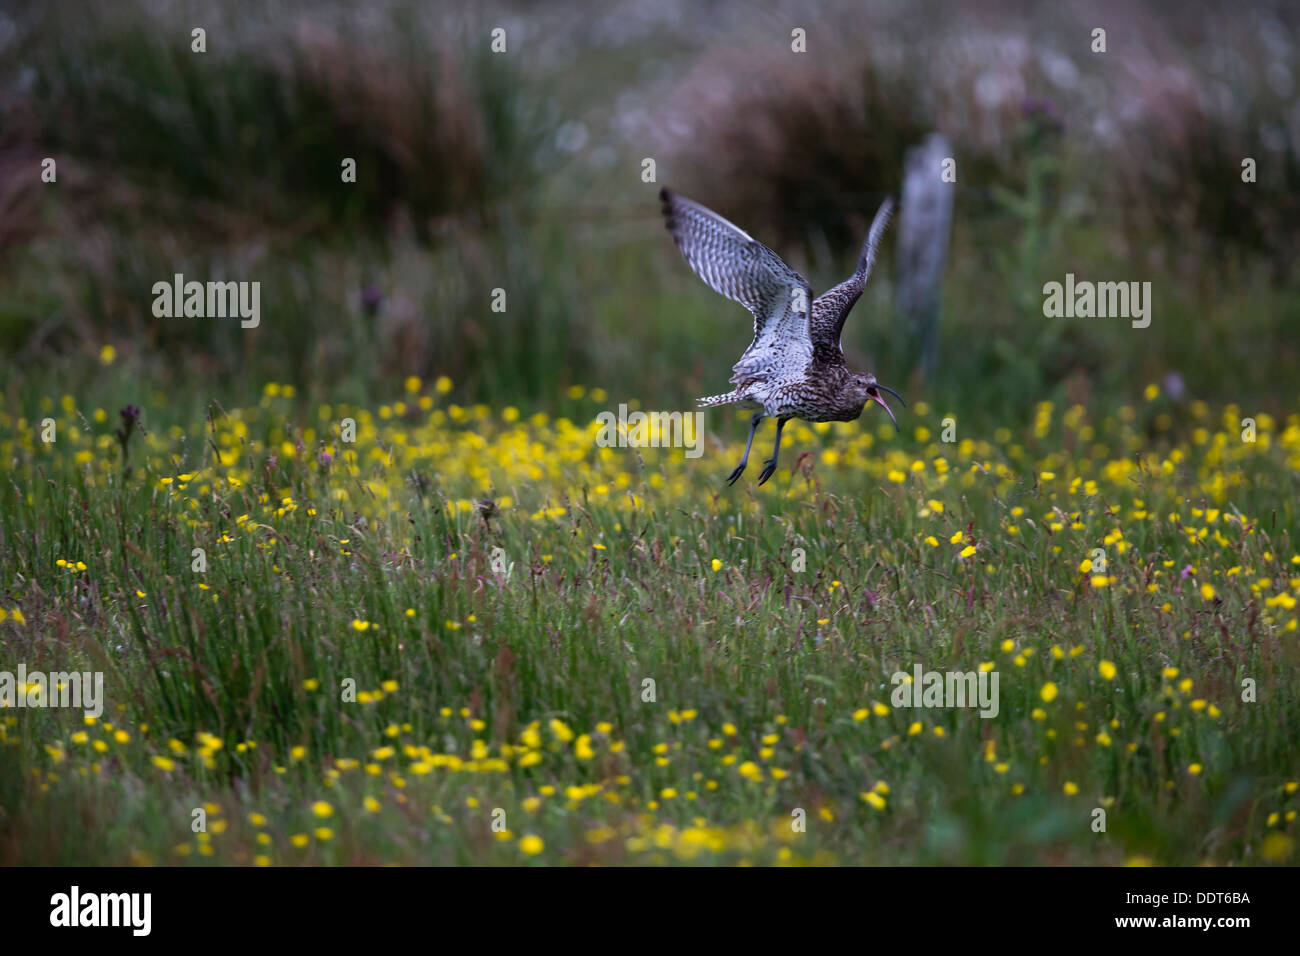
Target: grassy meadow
473	635
522	687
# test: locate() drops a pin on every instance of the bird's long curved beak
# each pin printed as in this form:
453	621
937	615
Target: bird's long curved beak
891	392
879	400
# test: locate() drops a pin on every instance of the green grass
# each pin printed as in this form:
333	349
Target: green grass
612	582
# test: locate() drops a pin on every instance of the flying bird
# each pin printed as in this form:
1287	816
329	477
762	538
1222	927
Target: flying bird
795	367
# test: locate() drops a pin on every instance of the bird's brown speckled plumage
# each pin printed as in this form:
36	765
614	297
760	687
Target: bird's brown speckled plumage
795	367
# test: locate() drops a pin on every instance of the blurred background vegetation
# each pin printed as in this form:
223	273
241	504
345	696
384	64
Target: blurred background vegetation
522	171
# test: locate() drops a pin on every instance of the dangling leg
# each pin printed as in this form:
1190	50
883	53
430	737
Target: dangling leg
740	469
776	451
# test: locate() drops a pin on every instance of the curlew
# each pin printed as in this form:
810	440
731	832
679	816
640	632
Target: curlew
795	367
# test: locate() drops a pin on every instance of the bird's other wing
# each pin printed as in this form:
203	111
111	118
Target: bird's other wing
832	307
733	263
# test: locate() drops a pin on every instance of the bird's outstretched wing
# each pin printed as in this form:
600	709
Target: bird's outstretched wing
740	267
832	307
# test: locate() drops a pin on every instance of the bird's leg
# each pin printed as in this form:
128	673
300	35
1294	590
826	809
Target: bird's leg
740	469
776	451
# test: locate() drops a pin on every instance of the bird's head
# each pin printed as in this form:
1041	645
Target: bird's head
867	389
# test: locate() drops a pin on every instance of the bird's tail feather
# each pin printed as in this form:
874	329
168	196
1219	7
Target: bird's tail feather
725	399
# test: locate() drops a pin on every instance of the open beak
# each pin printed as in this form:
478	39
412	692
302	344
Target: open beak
876	397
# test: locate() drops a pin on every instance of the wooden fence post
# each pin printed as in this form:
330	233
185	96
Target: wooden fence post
924	225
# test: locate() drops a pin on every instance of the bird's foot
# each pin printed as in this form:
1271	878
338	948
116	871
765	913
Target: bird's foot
735	475
769	467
